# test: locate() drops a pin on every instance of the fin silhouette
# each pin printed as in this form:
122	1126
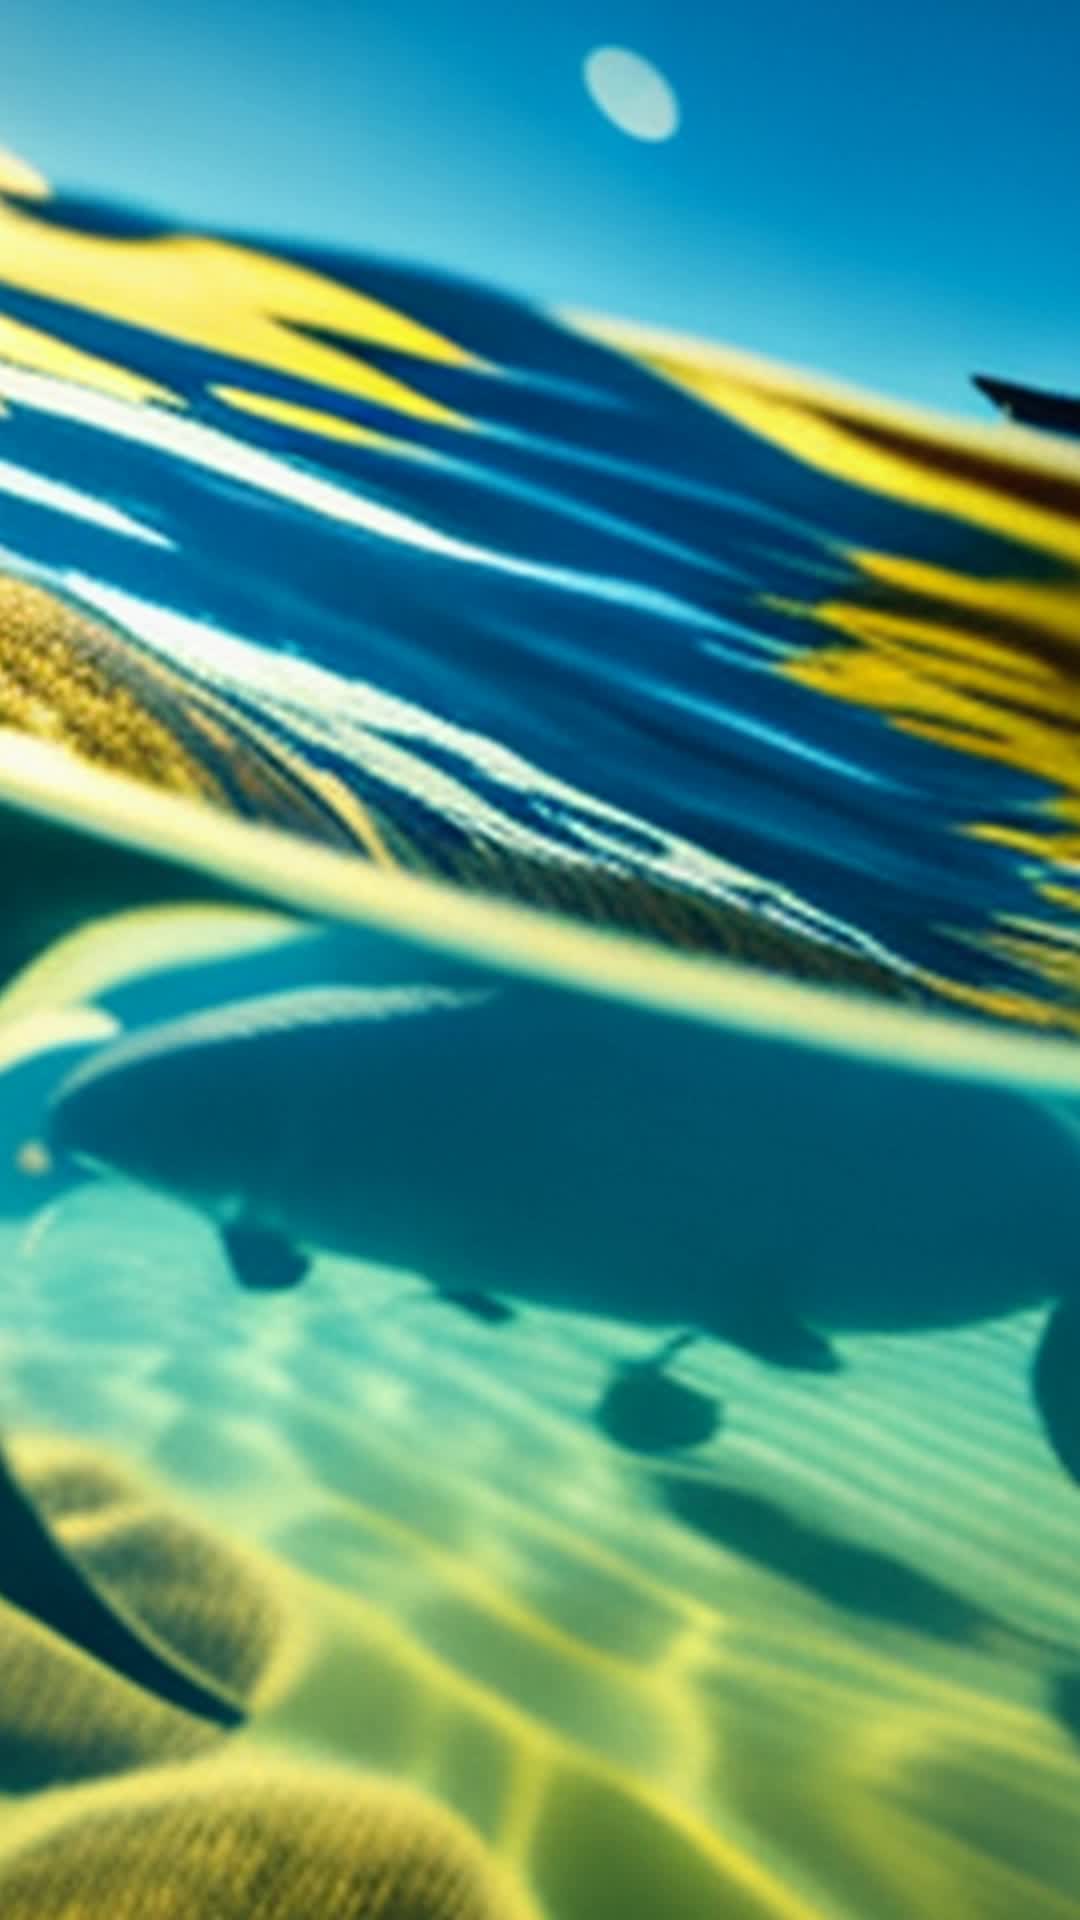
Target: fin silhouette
645	1411
37	1576
261	1259
478	1305
781	1338
1056	1383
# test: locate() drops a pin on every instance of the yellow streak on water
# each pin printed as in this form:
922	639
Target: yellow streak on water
45	353
229	299
991	477
18	176
315	420
988	666
932	678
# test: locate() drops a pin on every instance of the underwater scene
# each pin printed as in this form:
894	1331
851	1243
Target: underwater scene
539	1108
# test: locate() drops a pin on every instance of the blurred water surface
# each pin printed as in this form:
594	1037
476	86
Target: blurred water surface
648	637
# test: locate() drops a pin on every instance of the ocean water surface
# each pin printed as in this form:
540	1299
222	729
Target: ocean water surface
540	1113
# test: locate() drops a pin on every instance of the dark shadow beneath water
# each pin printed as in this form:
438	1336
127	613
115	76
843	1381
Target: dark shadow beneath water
866	1581
862	1580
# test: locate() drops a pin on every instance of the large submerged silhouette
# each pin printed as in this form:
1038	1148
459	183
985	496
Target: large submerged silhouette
564	840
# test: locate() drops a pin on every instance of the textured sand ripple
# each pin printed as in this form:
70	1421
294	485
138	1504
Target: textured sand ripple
822	1671
278	1842
64	1715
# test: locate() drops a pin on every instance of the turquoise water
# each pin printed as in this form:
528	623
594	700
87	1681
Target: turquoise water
624	1399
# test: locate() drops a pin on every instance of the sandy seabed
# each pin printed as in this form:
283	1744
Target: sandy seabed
828	1665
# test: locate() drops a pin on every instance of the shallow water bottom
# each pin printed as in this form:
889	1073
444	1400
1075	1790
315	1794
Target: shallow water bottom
828	1664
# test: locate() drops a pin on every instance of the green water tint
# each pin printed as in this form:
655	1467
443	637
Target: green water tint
670	1623
801	1669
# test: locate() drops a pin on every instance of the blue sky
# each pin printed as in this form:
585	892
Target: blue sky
886	194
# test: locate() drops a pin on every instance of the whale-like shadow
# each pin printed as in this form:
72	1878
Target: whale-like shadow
865	1581
857	1579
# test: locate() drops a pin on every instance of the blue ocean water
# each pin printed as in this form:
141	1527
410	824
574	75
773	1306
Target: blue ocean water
543	598
643	1398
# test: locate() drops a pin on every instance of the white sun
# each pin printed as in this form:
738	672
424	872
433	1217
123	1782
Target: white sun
632	93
